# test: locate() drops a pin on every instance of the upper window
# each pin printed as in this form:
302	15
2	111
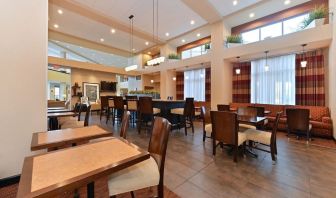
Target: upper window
270	31
196	51
251	36
293	24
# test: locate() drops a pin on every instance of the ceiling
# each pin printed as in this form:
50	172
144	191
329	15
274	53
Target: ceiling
93	20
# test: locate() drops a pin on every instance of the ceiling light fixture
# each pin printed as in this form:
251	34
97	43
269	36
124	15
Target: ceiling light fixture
147	43
113	31
133	66
287	2
251	15
183	41
198	35
187	77
238	69
149	53
152	81
303	61
192	22
235	2
174	78
266	65
56	26
60	11
167	33
102	40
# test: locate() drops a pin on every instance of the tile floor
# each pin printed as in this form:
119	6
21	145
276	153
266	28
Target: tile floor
192	171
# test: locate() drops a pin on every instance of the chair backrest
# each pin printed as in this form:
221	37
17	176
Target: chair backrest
118	102
225	127
158	142
124	124
298	119
111	102
275	127
260	110
80	109
87	115
104	102
247	111
189	108
145	105
131	97
223	107
132	104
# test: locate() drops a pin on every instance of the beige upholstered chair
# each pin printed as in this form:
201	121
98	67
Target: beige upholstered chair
186	115
149	172
265	138
78	124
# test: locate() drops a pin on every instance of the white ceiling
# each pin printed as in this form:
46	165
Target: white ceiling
226	7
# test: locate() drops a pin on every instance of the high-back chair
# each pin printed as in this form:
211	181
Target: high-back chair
110	110
265	138
132	107
206	119
118	108
78	124
298	122
124	124
149	172
146	112
223	107
225	131
249	112
103	105
260	113
186	115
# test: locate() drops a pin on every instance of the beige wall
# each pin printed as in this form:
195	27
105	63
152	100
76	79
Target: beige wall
59	76
23	58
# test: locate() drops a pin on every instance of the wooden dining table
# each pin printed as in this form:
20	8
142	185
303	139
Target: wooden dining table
53	122
251	120
54	173
52	140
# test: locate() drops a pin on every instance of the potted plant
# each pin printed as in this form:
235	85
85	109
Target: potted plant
234	40
315	18
173	57
207	46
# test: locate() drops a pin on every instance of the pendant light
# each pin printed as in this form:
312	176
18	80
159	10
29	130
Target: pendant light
238	69
132	66
303	61
266	65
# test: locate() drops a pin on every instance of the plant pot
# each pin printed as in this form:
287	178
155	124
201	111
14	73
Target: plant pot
229	45
316	23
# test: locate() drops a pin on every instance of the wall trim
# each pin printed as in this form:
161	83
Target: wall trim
7	181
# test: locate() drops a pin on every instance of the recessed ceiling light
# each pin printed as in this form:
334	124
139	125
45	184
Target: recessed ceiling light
167	33
56	26
133	49
113	31
60	11
251	15
102	40
147	43
149	52
287	2
192	22
235	2
183	41
198	35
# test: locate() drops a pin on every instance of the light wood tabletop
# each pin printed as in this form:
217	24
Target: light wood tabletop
53	173
61	114
63	137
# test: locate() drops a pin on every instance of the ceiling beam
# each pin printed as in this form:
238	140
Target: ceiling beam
205	9
99	17
59	36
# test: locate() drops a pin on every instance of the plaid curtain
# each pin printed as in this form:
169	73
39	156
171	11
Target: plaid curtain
309	81
179	85
208	84
241	83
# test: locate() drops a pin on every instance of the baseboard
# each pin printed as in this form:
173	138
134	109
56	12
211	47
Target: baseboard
9	180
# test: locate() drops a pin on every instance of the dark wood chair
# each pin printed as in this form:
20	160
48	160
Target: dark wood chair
146	113
265	138
110	110
103	106
186	115
223	107
124	124
298	122
132	107
118	109
225	131
260	113
78	124
147	173
248	112
206	120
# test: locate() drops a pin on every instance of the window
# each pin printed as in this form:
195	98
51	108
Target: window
275	86
194	84
270	31
293	24
196	51
251	36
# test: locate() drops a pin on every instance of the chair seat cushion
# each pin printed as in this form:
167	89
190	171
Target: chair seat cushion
263	137
197	113
241	138
208	129
243	127
178	111
156	111
72	124
62	120
138	176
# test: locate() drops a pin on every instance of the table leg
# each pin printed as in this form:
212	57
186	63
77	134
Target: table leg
90	190
249	150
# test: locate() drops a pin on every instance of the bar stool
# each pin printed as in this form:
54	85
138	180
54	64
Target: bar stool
110	109
187	114
146	113
132	107
104	105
